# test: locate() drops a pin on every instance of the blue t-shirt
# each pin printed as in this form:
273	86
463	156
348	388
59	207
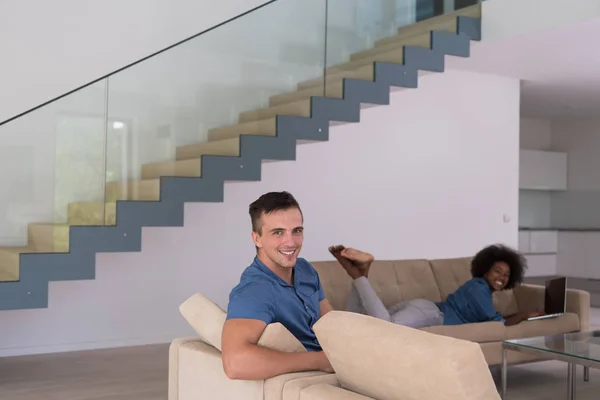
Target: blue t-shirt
471	303
262	295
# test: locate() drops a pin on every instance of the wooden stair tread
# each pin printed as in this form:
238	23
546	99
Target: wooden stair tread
221	147
189	168
266	127
9	262
333	90
85	213
17	250
300	108
139	190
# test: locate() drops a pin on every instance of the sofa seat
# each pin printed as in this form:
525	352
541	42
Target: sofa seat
481	332
544	327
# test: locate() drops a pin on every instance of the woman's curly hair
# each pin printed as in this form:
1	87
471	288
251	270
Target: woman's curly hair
488	256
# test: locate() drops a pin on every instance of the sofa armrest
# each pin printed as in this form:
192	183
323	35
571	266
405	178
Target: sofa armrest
196	371
329	392
174	365
578	301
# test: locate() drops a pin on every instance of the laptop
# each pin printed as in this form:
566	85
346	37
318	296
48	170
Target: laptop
555	299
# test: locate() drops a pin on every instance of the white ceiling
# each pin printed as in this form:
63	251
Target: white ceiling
559	68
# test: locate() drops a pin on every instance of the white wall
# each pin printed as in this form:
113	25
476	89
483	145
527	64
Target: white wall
399	184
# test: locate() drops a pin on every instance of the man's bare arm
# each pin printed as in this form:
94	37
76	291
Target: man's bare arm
244	359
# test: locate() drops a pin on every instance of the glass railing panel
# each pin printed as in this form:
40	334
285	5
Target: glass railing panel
53	162
361	32
199	97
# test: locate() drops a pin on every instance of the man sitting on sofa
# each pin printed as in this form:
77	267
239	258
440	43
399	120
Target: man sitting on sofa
493	268
277	287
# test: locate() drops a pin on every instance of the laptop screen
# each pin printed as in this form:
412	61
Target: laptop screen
556	291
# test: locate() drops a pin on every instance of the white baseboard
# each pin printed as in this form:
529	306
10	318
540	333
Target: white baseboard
95	345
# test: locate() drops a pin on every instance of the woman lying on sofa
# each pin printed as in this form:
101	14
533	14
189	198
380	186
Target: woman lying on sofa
493	268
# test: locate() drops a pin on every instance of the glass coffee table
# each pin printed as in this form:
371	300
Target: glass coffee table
579	348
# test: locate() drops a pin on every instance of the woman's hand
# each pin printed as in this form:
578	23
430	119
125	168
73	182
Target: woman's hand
534	313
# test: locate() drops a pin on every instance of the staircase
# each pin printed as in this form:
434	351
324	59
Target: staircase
66	251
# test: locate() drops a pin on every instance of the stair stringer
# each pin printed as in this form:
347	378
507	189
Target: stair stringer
38	269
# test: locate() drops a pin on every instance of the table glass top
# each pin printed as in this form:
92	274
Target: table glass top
584	345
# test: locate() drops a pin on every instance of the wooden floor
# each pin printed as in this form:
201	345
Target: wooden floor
114	374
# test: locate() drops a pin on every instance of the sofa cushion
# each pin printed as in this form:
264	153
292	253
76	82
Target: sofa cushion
393	281
544	327
207	320
373	357
451	273
480	332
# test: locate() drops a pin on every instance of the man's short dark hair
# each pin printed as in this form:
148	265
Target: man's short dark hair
269	202
488	256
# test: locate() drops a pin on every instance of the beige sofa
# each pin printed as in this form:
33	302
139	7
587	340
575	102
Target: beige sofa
373	359
399	280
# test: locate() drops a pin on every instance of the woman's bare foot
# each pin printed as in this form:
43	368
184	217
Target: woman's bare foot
361	259
355	262
348	265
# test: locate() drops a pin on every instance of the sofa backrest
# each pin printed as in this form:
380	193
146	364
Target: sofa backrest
393	281
400	280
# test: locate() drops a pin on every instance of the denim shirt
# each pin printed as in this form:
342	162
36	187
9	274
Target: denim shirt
264	296
471	303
